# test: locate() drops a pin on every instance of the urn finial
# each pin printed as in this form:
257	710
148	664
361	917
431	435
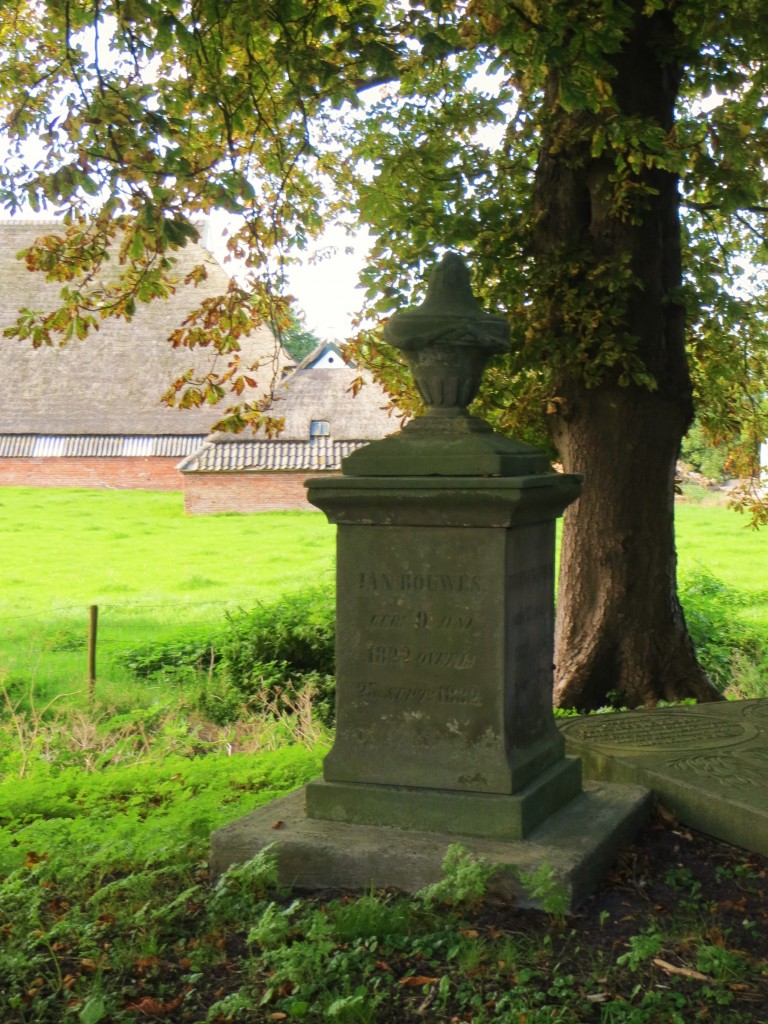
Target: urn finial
448	339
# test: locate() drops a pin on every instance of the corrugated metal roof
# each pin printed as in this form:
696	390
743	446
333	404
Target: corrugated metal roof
174	446
257	456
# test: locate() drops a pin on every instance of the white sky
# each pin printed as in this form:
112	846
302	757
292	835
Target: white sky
324	284
326	288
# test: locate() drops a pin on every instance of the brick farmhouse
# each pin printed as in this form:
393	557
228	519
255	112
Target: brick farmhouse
89	413
323	422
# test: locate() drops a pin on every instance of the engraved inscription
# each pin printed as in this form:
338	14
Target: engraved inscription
420	620
383	654
659	732
387	620
417	582
446	659
422	630
527	577
420	694
738	769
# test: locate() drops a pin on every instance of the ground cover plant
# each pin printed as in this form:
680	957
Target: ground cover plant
133	928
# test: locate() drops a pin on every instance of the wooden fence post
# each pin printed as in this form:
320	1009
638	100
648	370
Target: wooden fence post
92	633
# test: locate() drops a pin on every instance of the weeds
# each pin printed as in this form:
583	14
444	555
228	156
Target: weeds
464	882
544	889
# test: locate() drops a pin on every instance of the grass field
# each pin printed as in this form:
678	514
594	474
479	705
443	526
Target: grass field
152	571
721	542
108	913
155	573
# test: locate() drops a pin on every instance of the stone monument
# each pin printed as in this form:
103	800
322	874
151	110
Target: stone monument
445	587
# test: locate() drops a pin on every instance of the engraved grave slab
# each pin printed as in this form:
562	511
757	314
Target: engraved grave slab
708	764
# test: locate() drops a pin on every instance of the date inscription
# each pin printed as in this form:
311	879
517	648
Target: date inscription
390	654
462	695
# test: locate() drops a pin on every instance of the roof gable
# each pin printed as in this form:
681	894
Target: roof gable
355	407
113	381
326	356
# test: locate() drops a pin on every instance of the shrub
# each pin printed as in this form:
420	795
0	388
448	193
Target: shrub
721	638
702	455
197	651
264	659
299	630
277	652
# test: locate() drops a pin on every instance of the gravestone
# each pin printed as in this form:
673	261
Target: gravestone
708	764
445	582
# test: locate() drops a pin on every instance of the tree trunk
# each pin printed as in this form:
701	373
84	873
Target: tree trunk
621	635
620	628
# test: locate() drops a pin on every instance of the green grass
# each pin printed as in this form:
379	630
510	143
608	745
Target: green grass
721	542
157	574
153	572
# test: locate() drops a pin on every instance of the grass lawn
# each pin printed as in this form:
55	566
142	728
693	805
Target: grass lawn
153	572
721	542
156	573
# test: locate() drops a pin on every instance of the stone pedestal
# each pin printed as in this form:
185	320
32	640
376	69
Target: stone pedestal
444	654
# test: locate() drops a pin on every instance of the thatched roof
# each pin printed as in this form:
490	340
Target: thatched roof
327	394
112	382
325	420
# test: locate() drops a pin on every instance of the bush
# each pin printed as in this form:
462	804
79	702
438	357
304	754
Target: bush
264	659
703	456
721	638
298	630
277	652
197	651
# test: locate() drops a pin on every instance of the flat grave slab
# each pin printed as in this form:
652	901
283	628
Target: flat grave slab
707	763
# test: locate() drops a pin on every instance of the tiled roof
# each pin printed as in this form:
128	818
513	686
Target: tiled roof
256	456
97	445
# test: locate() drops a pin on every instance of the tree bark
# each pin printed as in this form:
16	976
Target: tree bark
620	634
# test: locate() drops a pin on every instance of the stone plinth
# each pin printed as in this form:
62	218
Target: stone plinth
444	654
579	844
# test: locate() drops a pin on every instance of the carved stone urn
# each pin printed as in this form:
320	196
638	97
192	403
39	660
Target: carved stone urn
447	341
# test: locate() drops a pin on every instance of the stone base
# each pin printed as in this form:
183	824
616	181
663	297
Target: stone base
706	763
579	843
486	815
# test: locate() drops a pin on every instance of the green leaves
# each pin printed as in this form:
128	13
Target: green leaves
424	122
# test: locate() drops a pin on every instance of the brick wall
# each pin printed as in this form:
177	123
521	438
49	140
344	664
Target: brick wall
203	492
245	492
124	473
